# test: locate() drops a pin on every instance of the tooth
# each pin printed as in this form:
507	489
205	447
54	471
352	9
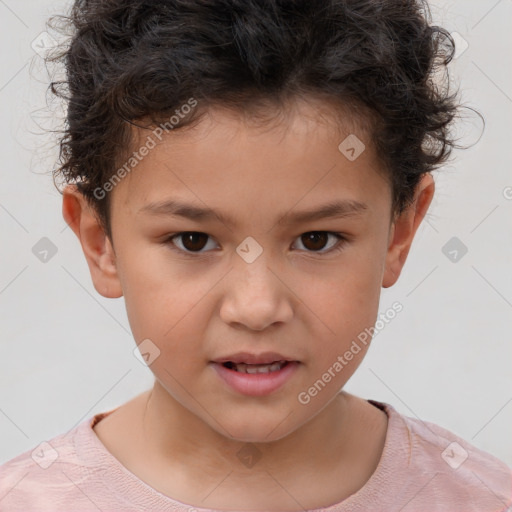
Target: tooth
274	367
258	368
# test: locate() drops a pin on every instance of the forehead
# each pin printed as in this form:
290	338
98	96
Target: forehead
293	116
275	159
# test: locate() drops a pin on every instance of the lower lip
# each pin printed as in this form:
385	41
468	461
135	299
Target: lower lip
256	384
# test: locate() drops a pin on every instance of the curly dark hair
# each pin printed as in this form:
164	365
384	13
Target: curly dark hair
134	60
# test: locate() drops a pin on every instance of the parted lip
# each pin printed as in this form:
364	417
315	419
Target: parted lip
249	358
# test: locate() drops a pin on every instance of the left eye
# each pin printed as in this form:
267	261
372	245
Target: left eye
193	241
316	240
313	241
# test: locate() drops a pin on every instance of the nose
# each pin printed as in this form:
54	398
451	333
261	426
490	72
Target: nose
256	297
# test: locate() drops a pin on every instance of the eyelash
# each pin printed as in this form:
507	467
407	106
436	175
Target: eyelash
340	245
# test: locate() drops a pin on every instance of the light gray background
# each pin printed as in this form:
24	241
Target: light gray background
67	353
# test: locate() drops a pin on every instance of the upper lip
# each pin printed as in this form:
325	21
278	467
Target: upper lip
248	358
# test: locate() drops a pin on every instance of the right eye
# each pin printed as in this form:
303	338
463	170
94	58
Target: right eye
191	241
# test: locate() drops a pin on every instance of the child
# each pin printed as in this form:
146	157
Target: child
295	140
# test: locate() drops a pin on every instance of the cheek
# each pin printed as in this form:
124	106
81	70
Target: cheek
343	301
176	337
169	312
346	308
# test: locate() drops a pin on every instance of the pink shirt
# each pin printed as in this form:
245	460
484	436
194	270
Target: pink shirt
423	468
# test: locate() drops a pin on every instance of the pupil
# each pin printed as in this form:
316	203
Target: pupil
314	237
190	241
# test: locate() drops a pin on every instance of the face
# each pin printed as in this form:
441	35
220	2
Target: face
257	277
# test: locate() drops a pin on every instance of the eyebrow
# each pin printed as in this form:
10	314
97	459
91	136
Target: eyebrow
335	209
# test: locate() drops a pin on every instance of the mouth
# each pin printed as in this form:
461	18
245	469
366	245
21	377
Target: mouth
255	374
255	368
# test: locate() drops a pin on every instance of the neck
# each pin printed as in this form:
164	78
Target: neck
320	463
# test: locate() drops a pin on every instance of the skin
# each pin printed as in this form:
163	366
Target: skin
182	436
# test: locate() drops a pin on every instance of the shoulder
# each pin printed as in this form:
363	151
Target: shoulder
444	467
51	475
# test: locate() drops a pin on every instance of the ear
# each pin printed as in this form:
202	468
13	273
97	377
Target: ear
404	228
97	247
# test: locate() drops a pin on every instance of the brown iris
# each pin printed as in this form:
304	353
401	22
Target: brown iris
315	239
193	241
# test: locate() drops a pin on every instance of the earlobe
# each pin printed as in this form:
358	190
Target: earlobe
403	230
97	247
